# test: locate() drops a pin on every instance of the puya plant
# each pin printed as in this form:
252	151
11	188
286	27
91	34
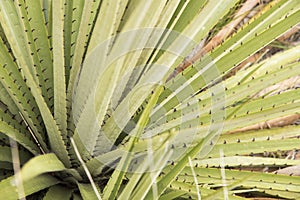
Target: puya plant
131	99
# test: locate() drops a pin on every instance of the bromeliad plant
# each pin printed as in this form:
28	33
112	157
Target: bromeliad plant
131	99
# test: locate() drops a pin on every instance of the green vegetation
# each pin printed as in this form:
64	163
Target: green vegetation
161	99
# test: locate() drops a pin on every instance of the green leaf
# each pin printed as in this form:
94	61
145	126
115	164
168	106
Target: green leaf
60	104
236	161
9	189
237	90
114	183
243	148
19	93
88	116
169	178
191	192
145	174
37	37
15	32
172	195
5	155
87	192
211	66
261	135
19	45
32	177
123	112
58	192
68	24
83	31
19	137
41	164
243	180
